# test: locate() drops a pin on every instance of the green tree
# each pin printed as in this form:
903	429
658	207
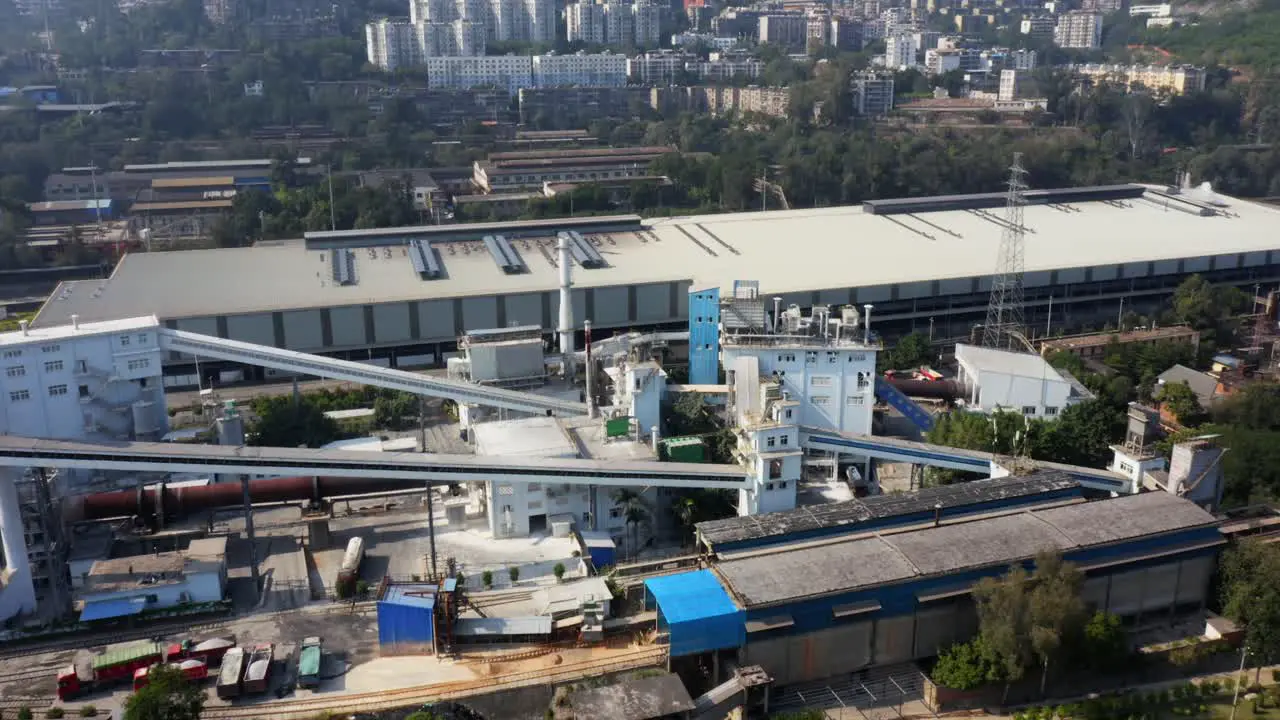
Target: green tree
167	696
911	351
281	423
1251	596
966	666
1056	610
513	572
1181	400
1105	645
558	571
486	579
635	510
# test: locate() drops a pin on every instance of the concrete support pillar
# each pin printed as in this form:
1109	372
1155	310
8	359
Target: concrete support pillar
18	594
835	467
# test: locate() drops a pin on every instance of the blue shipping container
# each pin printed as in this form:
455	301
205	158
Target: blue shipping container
406	621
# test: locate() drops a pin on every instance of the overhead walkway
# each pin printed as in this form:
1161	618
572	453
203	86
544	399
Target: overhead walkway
206	346
167	457
908	451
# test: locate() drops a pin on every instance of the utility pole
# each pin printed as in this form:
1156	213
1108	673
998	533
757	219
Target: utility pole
333	213
1004	310
253	544
431	514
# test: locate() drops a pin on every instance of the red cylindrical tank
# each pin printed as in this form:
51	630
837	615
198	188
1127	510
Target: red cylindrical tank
937	389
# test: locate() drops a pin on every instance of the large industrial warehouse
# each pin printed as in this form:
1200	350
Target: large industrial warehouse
362	295
886	580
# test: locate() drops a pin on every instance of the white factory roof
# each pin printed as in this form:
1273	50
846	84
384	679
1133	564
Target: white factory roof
62	332
794	250
535	437
980	360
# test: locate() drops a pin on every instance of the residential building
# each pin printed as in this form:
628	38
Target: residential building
619	24
872	94
1038	26
1207	388
455	38
1102	6
152	582
900	51
391	44
659	68
574	107
711	41
1175	79
846	33
1006	381
737	23
938	62
509	72
1014	84
647	23
724	69
721	100
787	30
1020	59
604	70
585	23
1078	29
1161	10
220	12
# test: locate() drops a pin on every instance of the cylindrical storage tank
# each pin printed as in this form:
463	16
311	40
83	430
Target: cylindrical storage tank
145	420
349	572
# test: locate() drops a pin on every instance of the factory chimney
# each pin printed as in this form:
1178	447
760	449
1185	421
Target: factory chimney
23	325
566	299
777	314
591	389
75	321
654	438
866	324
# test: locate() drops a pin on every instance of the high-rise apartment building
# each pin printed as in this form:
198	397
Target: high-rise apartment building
1038	26
585	21
392	43
1078	29
648	23
900	51
872	94
787	31
619	23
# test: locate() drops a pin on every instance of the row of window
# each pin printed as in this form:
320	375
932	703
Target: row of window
781	485
53	366
769	442
1049	410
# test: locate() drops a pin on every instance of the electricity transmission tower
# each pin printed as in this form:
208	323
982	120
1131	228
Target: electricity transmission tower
1004	310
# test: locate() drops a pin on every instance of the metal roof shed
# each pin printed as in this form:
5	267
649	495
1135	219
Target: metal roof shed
696	611
406	620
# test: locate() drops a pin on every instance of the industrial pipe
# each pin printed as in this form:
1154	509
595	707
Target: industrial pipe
179	502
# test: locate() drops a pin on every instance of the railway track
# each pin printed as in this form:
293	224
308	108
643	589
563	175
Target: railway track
417	695
78	642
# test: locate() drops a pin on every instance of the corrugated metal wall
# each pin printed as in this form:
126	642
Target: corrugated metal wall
404	627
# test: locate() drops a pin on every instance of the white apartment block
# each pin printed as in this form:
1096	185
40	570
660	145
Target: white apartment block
582	70
900	51
511	72
1014	85
1038	26
647	24
1174	79
391	44
1160	11
1078	29
726	70
503	20
585	21
658	68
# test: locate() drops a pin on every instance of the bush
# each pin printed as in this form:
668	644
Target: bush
559	571
965	666
486	578
362	587
514	573
54	713
88	711
24	713
462	579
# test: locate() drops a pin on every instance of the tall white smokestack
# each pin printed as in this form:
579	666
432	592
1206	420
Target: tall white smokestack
866	324
566	298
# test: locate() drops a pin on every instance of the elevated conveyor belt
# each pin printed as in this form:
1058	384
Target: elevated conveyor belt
206	346
898	450
167	457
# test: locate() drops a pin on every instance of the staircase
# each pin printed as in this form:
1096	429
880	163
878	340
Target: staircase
903	404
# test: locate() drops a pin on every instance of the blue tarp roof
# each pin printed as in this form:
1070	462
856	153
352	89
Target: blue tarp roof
698	612
104	609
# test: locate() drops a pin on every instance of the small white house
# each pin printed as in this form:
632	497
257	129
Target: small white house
1013	382
128	585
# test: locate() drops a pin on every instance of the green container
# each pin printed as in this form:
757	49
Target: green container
685	449
617	427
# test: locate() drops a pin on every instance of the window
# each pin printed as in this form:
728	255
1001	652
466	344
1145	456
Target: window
534	487
615	512
506	490
57	390
1028	409
775	469
1126	467
782	485
821	400
9	354
53	366
770	442
810	358
19	395
1050	410
768	486
84	391
820	381
139	364
784	440
788	413
15	371
51	348
142	339
855	400
82	366
864	379
832	357
124	340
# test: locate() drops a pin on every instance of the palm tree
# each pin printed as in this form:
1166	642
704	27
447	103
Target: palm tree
686	511
636	511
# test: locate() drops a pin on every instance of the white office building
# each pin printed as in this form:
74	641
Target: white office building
900	51
585	21
503	71
580	70
1078	29
392	43
1000	380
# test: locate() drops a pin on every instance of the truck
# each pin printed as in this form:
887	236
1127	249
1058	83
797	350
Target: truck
194	671
210	651
257	670
309	658
114	666
230	673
